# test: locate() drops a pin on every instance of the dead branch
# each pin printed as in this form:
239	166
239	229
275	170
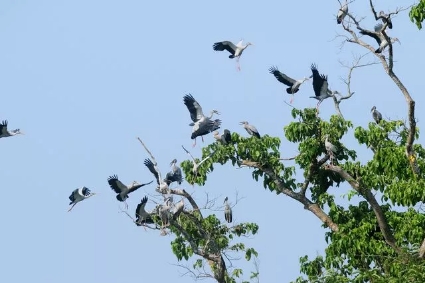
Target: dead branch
153	159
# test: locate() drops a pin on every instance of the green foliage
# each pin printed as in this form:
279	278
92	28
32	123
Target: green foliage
417	14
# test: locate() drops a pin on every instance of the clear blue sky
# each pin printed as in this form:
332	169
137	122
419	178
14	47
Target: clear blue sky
82	79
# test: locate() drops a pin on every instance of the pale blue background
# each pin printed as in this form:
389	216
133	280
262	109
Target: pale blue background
82	79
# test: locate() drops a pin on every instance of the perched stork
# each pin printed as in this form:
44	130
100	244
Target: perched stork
196	164
235	50
79	195
175	175
294	85
330	148
163	211
202	125
122	190
143	217
224	138
4	133
386	19
320	86
377	116
178	208
228	216
342	12
162	184
379	37
251	129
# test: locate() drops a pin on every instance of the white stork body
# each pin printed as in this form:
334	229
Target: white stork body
251	129
234	50
4	132
163	211
143	217
122	190
202	125
342	13
79	195
377	116
228	214
330	148
320	86
294	85
162	184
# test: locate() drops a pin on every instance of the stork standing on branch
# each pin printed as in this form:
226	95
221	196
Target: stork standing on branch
330	148
224	138
320	86
122	190
175	175
251	129
379	37
235	50
294	85
228	215
202	125
4	132
79	195
342	13
377	116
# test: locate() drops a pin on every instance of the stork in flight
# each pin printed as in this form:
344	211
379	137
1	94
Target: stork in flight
162	184
224	138
79	195
201	125
235	50
342	12
122	190
197	164
4	132
379	37
320	86
251	129
228	215
294	85
143	217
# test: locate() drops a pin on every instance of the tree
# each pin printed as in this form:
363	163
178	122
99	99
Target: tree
417	14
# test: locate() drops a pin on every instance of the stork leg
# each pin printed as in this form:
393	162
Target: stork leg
292	99
238	66
126	205
72	207
202	137
194	143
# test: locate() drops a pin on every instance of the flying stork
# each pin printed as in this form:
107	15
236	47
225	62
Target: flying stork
228	215
251	129
162	184
196	164
320	86
79	195
379	37
377	116
330	148
224	138
122	190
4	133
385	19
143	217
235	50
342	12
175	175
202	125
294	85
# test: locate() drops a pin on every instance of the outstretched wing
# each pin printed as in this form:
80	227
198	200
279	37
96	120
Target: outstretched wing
225	45
116	184
151	168
281	77
194	107
72	196
319	81
3	127
141	206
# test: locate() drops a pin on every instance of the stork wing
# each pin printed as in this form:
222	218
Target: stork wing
141	206
225	45
3	127
133	188
72	196
116	184
281	77
372	34
191	156
319	81
226	137
206	127
228	215
194	108
151	168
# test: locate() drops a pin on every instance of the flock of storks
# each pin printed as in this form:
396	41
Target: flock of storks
203	125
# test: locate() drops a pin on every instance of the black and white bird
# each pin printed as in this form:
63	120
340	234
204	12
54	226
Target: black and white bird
162	184
377	116
251	129
224	138
379	37
4	132
235	50
175	175
195	163
79	195
342	12
201	125
164	213
142	216
385	19
122	190
228	215
320	86
294	85
178	209
330	148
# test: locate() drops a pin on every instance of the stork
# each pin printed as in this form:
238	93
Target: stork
251	129
163	211
202	125
143	217
79	195
294	85
224	138
196	164
162	184
175	175
377	116
320	86
342	12
228	216
385	19
379	37
330	148
235	50
122	190
4	132
178	208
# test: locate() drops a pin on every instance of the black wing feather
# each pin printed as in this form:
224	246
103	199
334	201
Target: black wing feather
193	106
116	184
224	45
318	80
281	77
151	168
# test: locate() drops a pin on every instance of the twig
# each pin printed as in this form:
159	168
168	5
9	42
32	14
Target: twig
153	158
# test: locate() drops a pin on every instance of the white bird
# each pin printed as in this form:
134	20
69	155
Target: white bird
79	195
202	125
235	50
142	216
251	129
342	12
228	215
178	208
320	86
162	184
294	85
122	190
163	211
175	175
196	164
379	37
377	116
4	133
224	138
385	19
330	148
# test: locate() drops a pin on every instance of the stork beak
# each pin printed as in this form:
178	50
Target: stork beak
240	123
